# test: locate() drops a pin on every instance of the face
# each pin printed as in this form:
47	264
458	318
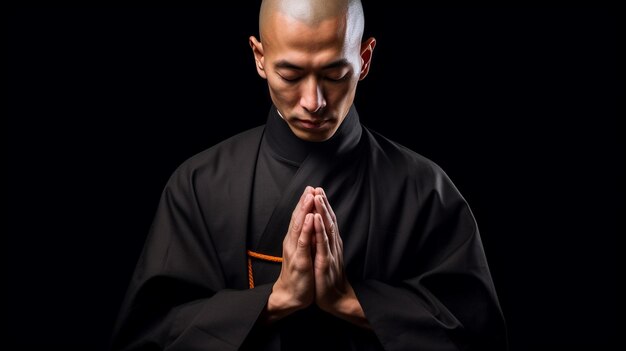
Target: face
312	72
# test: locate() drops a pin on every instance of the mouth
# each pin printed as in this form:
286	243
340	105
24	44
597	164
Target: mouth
311	125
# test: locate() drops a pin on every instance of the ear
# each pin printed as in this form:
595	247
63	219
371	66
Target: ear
367	49
257	50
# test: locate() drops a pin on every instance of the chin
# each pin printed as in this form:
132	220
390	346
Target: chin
315	137
317	134
311	136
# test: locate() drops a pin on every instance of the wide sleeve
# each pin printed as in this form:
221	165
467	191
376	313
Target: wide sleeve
440	296
178	297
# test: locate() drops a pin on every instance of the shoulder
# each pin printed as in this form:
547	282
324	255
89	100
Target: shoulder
407	166
221	159
237	145
399	158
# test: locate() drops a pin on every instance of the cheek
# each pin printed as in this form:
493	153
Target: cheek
281	92
336	93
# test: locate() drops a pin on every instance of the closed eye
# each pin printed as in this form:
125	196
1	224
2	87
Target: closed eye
289	79
335	79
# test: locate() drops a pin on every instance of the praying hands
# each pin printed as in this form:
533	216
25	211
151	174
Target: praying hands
312	270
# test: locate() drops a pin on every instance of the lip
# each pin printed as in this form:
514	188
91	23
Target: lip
311	124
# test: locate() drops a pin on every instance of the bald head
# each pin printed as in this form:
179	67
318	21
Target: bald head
313	12
312	55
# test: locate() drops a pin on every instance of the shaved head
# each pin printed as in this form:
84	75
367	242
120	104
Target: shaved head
312	55
313	12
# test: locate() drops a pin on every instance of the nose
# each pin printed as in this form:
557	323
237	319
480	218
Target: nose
312	98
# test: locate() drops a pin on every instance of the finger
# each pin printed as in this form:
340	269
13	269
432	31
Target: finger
307	190
320	191
321	248
304	239
301	207
329	225
336	236
298	218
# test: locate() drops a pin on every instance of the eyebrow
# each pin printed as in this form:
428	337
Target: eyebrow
335	64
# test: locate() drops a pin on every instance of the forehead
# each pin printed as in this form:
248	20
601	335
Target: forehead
286	36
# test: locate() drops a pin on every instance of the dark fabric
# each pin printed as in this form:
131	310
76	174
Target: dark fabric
412	252
280	156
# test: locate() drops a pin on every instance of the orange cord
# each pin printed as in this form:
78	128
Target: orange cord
264	257
250	276
261	257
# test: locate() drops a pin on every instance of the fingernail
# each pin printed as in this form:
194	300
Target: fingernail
307	218
320	199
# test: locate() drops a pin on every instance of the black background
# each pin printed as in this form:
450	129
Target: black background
519	106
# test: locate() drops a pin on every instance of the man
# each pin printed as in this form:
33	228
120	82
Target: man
311	232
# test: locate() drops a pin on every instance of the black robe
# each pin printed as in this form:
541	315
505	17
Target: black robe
412	250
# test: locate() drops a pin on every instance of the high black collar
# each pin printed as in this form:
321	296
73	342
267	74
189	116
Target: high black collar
286	145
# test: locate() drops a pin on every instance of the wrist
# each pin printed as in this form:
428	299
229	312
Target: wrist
348	308
346	305
280	304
